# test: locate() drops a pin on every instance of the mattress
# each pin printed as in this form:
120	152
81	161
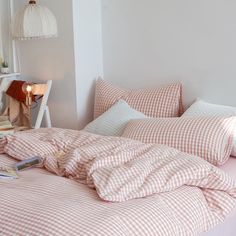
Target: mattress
228	228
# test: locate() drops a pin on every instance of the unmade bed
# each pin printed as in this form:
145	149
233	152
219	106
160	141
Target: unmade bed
43	203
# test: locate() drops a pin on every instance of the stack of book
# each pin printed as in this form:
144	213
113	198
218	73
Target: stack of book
5	126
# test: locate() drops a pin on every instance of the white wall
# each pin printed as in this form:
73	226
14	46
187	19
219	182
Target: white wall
155	42
145	43
73	60
88	54
47	59
5	44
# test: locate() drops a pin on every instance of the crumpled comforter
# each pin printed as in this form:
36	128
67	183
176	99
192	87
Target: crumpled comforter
123	169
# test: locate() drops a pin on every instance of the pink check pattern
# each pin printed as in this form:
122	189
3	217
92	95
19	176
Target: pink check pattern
186	195
207	137
164	101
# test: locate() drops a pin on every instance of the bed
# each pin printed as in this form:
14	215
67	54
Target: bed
137	169
42	203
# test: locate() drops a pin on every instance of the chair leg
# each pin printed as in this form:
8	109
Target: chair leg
47	117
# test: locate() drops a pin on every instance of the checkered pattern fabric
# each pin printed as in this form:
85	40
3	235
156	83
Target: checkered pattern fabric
159	102
201	108
207	137
186	195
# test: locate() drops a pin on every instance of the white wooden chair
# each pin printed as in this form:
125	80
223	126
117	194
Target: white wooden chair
43	90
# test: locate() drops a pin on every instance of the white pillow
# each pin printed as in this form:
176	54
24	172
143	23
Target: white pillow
113	121
201	108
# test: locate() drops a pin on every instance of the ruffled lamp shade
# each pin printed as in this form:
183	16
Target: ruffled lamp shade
34	22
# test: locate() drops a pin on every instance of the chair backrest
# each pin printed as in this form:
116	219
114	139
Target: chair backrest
44	90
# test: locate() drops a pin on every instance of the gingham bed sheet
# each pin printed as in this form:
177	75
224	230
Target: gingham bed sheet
40	203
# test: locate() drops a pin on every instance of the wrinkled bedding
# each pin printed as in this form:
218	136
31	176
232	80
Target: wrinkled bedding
140	189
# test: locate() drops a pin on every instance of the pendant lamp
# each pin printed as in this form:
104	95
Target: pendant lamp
34	22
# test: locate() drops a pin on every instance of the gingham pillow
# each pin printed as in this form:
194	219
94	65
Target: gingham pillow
164	101
209	138
113	121
201	108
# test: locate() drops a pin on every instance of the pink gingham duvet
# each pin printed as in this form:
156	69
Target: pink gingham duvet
148	189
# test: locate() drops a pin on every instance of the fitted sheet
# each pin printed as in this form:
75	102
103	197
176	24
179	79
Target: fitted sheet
230	167
228	228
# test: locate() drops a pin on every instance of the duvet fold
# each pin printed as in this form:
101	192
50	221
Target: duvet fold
122	169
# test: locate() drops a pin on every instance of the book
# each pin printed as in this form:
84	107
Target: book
7	172
5	124
4	118
6	128
6	132
11	172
